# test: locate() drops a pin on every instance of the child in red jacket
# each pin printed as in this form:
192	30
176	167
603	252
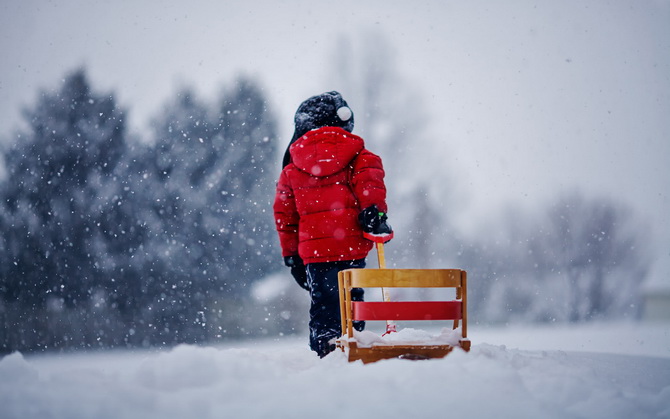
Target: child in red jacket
330	191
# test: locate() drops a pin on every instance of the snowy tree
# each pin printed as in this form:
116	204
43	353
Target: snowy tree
205	191
250	154
60	200
180	259
595	245
108	241
578	259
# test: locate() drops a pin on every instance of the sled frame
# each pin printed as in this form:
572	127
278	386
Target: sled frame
455	310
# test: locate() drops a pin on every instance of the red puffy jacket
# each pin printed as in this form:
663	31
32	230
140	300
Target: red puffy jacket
330	179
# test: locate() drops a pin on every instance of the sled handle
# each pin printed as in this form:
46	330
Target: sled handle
379	240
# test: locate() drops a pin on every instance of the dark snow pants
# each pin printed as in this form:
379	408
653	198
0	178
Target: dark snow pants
324	314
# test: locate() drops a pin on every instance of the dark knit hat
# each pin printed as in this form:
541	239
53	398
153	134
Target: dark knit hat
324	110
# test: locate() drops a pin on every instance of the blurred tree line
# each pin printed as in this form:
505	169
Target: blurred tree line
581	258
109	240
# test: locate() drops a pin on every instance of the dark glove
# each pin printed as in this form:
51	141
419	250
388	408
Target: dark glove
298	270
374	221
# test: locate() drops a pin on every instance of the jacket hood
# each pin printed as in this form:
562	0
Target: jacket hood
325	151
325	110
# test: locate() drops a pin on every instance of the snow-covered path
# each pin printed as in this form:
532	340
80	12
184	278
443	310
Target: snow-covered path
598	371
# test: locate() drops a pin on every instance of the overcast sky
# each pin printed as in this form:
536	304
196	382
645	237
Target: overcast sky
533	97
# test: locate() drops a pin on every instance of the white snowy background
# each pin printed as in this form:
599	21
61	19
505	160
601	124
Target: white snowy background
533	97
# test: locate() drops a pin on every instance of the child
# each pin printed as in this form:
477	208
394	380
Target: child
330	191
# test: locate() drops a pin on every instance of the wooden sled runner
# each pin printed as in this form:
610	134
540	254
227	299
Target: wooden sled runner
455	310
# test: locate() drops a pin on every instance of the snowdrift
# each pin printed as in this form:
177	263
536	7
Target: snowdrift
282	378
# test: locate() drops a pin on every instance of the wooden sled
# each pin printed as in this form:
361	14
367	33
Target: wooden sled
351	311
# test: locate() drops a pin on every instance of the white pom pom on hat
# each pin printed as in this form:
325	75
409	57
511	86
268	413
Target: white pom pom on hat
344	113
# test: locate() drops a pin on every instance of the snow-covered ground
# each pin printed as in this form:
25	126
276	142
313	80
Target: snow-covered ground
591	371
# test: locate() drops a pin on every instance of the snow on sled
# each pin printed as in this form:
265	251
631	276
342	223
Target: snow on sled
368	347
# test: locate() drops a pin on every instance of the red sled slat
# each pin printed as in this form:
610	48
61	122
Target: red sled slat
406	310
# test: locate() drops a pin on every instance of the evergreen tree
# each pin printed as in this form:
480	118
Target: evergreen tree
250	168
207	186
108	242
180	258
60	198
